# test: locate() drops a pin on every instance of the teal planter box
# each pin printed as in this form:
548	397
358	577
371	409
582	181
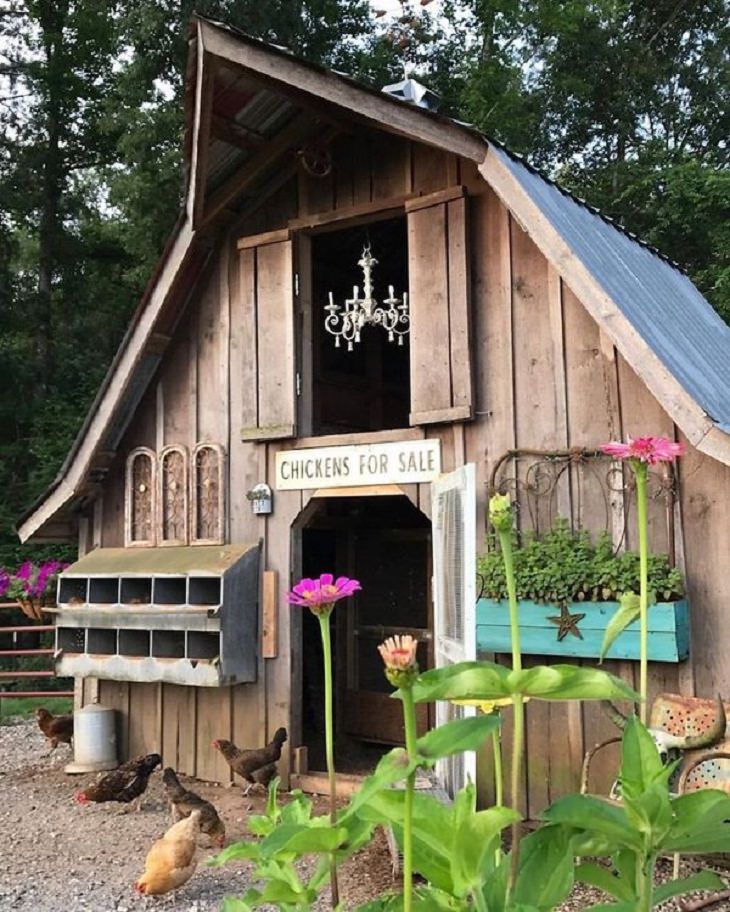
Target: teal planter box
668	630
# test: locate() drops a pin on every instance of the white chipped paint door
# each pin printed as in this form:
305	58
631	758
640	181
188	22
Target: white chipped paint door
454	594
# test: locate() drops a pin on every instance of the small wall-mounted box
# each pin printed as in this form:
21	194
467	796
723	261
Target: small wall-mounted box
183	615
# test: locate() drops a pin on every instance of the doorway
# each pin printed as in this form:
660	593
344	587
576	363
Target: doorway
385	543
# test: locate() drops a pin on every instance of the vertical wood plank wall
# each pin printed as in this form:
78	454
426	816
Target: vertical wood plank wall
544	376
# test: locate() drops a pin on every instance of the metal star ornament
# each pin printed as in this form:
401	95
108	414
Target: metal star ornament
566	623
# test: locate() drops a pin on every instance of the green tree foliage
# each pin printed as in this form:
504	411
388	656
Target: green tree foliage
624	101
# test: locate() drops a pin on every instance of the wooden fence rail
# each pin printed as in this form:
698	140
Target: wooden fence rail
19	653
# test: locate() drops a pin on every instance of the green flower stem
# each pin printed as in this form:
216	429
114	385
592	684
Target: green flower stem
498	781
645	885
518	736
409	721
324	627
505	540
498	774
640	471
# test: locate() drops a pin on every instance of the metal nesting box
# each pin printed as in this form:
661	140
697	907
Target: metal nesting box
183	615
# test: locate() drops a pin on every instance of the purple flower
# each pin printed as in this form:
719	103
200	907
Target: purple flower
320	595
4	582
24	571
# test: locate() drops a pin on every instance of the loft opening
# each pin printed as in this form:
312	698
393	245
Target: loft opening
385	542
368	388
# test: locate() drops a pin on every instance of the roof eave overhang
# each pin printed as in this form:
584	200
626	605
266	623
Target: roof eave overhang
383	112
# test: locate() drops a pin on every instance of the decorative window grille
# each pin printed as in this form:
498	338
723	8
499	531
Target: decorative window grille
207	488
139	500
172	497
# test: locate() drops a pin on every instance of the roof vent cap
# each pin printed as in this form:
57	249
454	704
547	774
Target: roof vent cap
414	93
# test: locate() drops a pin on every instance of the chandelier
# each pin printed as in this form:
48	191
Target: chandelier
347	323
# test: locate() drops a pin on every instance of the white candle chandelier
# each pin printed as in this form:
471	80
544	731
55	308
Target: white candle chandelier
358	312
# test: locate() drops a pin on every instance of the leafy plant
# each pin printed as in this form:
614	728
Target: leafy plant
564	566
649	822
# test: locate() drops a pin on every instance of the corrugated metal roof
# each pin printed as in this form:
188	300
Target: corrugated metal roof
665	308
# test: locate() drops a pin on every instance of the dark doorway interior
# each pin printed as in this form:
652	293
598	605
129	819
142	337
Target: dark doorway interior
368	388
384	542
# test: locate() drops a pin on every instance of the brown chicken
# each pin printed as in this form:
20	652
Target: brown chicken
124	784
255	766
57	729
171	861
183	802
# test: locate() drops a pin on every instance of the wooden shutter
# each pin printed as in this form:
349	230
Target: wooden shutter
438	279
454	513
269	369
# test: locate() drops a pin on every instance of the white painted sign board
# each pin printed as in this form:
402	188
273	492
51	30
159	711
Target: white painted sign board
408	462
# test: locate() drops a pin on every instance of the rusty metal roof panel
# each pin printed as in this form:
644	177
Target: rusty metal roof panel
658	299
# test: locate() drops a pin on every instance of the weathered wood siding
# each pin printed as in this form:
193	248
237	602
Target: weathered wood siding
543	376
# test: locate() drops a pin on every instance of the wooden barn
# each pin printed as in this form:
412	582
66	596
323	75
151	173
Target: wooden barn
366	316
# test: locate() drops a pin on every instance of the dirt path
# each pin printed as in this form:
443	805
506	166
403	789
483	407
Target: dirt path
58	857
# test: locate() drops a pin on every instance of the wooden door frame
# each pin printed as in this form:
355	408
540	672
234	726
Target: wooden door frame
297	529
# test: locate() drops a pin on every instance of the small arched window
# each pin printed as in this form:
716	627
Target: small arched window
208	506
139	499
172	496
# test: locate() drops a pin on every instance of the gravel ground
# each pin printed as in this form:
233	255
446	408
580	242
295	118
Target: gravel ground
56	856
59	857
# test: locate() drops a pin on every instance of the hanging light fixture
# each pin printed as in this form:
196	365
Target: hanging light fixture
358	312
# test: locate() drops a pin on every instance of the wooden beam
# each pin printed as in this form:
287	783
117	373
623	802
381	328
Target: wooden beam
684	410
265	159
206	85
375	209
378	110
270	632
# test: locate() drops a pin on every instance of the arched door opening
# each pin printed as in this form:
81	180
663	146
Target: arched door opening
385	542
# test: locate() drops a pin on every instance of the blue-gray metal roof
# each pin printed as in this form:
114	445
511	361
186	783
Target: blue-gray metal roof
661	303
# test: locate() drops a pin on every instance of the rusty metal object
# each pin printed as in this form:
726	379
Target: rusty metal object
590	754
536	487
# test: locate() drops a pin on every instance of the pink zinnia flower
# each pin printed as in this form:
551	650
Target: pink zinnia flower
399	655
399	652
321	594
649	450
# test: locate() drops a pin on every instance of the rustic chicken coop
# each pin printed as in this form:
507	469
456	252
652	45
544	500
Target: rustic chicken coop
367	317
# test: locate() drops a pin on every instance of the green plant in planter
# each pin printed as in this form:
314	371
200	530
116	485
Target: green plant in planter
564	566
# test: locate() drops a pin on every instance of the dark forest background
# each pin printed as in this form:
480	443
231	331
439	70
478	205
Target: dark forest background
624	101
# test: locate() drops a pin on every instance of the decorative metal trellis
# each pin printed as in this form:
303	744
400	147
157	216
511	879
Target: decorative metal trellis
549	483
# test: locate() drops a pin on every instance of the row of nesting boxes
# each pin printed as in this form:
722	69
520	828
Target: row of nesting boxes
182	615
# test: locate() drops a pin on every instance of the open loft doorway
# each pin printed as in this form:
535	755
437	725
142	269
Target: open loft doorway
385	542
362	385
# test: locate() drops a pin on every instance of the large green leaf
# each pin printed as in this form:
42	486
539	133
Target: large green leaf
454	737
640	762
302	839
237	851
704	880
628	611
569	682
596	875
489	681
432	831
475	837
700	823
546	868
230	904
595	815
393	767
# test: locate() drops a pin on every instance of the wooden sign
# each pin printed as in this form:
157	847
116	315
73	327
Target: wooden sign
408	462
